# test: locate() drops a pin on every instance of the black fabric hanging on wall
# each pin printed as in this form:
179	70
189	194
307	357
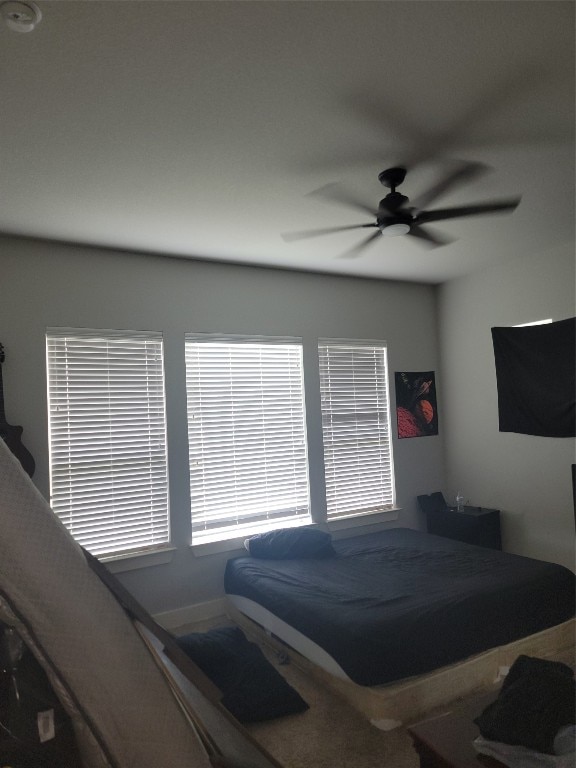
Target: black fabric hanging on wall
536	378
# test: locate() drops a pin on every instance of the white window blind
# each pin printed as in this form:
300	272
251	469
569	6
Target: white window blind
107	431
356	427
246	433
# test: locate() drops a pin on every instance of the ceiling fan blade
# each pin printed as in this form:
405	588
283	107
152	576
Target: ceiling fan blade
462	173
357	249
290	237
429	239
461	130
397	129
502	206
336	193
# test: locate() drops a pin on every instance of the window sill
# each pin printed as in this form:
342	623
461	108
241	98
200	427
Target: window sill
236	542
216	547
368	518
133	561
340	524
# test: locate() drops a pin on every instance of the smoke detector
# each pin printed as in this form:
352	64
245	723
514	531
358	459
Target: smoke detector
19	16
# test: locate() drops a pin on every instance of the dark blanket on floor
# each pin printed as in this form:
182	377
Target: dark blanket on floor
252	689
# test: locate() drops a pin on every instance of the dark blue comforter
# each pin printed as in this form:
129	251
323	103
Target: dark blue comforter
399	602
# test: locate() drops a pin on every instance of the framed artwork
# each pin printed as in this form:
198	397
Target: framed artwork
416	409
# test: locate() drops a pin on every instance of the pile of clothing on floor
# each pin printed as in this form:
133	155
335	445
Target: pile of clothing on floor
532	723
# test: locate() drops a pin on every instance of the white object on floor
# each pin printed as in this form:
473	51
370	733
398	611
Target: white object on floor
521	757
502	672
565	740
386	724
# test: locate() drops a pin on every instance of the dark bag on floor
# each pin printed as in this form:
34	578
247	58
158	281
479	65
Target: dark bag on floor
537	698
35	730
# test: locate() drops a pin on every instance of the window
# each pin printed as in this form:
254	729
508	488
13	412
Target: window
246	434
107	432
534	322
356	427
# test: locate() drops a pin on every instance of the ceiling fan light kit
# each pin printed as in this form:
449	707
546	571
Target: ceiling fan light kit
394	230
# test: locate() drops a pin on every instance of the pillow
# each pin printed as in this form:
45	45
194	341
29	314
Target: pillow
252	689
289	543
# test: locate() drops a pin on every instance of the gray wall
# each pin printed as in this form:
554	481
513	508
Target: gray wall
46	284
527	477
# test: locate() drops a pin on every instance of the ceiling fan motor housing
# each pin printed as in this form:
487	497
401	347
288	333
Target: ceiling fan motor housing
392	202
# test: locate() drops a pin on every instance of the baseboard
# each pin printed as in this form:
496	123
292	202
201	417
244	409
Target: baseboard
189	614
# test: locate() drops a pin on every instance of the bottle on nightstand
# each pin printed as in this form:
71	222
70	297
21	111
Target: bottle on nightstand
459	502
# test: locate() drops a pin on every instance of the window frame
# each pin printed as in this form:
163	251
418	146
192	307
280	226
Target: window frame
232	528
151	435
380	509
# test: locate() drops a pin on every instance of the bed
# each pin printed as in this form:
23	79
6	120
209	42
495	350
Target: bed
400	603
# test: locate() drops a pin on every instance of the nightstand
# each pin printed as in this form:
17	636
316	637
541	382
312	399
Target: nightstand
446	741
474	525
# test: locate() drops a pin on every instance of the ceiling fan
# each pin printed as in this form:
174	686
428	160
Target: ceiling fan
394	217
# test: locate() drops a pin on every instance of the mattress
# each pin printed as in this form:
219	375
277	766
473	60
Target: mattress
400	602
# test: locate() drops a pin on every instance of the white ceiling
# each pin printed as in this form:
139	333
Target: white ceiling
198	129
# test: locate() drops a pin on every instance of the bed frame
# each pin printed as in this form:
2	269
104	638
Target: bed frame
396	704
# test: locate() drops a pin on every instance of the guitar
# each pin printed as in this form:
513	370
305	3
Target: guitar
11	435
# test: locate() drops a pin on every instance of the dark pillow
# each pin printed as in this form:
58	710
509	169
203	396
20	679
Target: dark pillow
252	689
290	543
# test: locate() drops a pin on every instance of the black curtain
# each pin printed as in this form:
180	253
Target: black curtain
535	374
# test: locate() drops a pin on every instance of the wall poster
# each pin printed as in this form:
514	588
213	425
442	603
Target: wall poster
416	409
536	378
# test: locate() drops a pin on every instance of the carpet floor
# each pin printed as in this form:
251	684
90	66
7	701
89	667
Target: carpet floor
328	735
331	734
